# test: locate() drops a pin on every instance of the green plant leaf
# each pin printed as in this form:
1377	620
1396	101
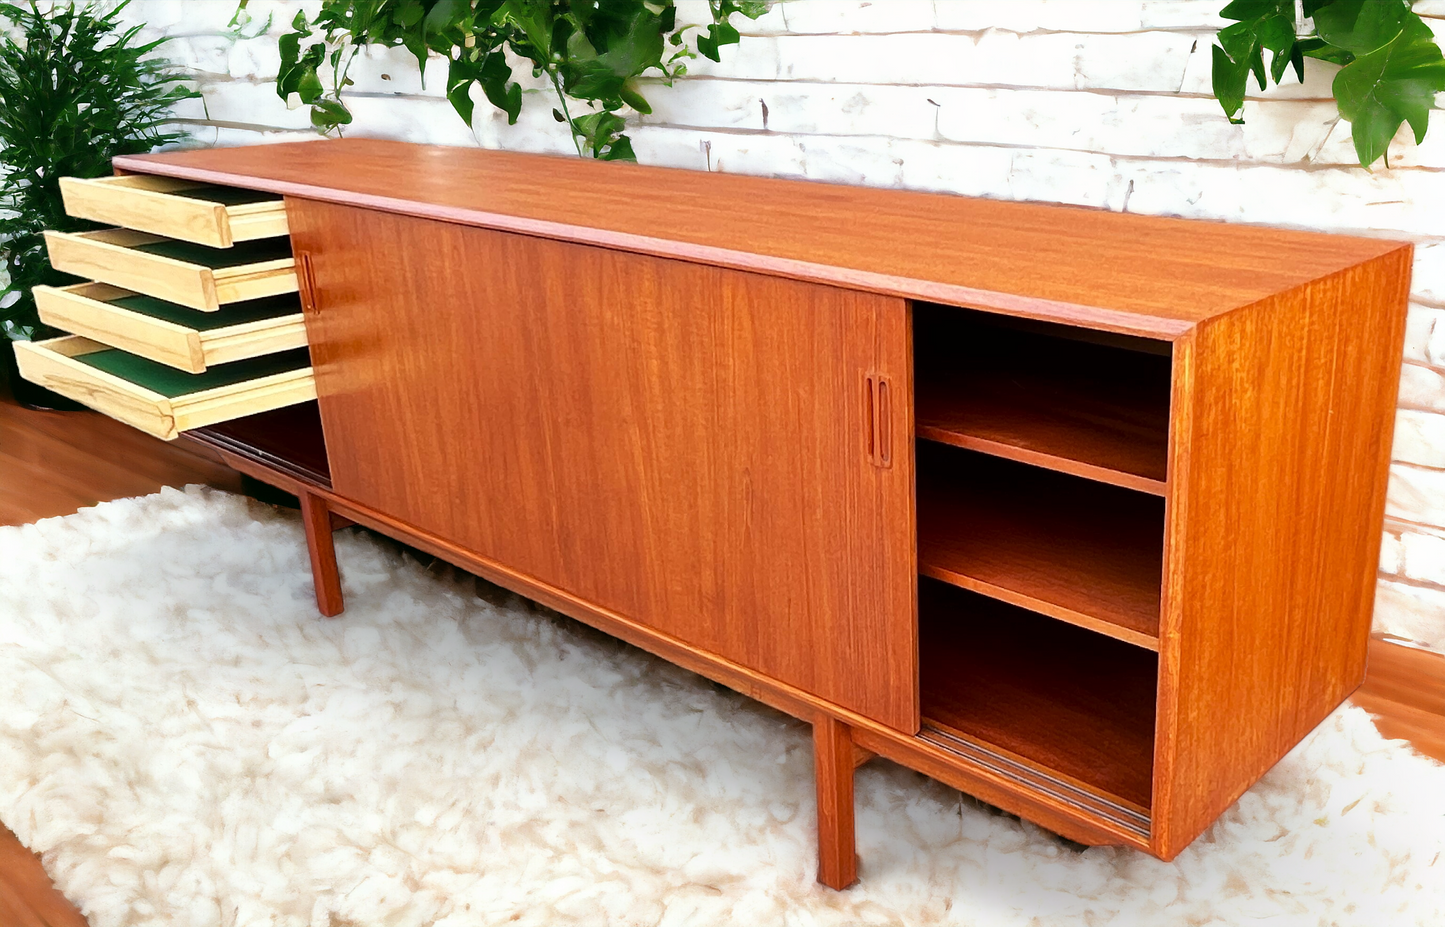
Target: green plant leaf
1263	25
591	51
1360	27
1393	84
76	89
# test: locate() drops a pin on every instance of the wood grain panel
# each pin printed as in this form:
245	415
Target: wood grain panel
1121	272
1279	458
683	445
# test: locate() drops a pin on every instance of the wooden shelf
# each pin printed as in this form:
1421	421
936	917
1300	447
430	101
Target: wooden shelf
1076	704
1073	549
1024	392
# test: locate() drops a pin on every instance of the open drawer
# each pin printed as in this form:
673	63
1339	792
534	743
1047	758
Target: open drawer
161	400
171	334
176	271
183	209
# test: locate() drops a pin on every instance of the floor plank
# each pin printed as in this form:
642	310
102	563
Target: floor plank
56	463
1405	690
27	899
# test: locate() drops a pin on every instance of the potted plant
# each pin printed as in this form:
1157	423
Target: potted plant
76	89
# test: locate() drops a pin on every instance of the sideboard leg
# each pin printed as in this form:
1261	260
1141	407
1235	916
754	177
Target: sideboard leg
833	766
316	517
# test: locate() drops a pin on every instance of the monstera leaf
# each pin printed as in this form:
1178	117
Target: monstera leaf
1392	66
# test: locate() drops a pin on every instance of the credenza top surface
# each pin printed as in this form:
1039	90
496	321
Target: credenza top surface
1144	275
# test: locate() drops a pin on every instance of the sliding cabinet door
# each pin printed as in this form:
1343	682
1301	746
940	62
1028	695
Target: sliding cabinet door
721	456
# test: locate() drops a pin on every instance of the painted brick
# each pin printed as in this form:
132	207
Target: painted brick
1422	557
966	169
1425	335
230	136
244	102
1147	61
185	17
850	109
394	70
857	16
708	103
1073	16
202	55
1428	280
773	22
1422	387
1384	203
1392	553
1420	438
1277	131
1410	612
670	147
254	59
1416	494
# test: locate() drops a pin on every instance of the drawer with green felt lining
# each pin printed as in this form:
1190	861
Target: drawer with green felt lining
173	334
159	399
181	209
181	272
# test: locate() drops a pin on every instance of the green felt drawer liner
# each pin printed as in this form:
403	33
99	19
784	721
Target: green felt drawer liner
226	196
170	382
251	310
246	252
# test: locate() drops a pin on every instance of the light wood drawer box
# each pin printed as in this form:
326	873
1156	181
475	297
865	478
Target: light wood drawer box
183	209
160	400
172	334
176	271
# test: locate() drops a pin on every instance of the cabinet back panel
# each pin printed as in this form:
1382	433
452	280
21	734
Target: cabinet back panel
681	444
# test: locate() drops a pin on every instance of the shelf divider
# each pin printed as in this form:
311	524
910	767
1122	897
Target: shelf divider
1076	550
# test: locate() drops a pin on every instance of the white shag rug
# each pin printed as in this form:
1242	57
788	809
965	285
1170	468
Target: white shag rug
188	743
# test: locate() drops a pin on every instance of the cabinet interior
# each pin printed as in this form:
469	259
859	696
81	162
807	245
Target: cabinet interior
1041	473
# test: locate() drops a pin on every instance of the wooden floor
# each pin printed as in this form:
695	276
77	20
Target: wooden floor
55	463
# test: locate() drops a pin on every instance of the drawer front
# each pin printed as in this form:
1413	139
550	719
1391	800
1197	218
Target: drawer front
159	400
162	332
180	209
178	272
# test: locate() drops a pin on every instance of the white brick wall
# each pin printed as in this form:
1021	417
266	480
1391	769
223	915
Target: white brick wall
1096	102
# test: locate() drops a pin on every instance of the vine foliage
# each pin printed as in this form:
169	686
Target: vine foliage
1392	66
593	53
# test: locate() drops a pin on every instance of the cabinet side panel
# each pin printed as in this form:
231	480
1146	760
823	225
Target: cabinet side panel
1279	462
682	445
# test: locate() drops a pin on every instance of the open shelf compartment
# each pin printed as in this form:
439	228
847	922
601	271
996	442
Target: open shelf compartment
1076	708
1079	551
1089	403
288	440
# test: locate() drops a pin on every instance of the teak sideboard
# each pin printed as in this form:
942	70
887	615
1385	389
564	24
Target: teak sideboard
1077	512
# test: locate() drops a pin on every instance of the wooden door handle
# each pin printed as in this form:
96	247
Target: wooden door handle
306	282
878	419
